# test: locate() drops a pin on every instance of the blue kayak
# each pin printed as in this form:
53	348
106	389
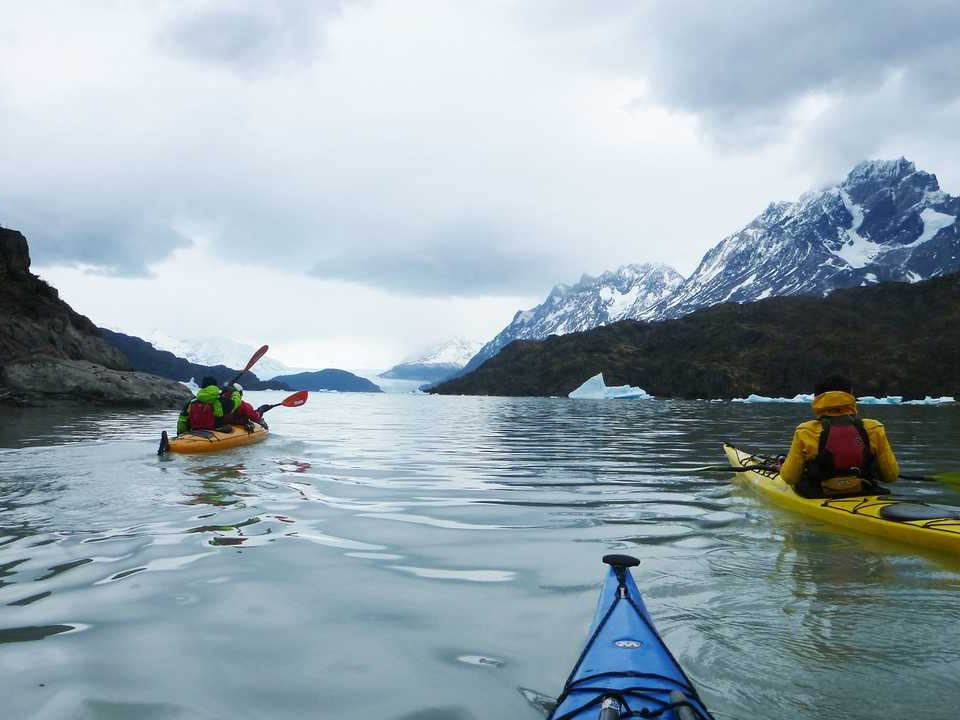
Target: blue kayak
625	670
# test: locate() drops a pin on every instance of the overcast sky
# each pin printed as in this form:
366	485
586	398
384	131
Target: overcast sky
350	180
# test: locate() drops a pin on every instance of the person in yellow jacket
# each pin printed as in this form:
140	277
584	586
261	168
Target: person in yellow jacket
838	454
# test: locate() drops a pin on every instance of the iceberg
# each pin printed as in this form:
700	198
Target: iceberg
596	389
764	399
944	400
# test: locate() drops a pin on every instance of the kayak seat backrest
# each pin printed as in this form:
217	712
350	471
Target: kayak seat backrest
918	511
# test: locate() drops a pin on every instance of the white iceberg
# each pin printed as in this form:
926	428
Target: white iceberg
764	399
596	389
944	400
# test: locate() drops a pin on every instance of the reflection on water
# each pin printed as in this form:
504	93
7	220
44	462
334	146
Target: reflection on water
421	557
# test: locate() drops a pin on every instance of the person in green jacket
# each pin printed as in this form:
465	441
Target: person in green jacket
206	411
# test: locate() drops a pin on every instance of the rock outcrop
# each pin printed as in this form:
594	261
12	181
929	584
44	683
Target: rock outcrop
49	353
49	381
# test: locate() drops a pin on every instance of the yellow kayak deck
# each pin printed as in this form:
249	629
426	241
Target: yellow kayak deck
204	441
931	526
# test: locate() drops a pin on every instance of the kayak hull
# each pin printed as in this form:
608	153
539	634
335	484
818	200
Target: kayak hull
206	441
936	527
626	663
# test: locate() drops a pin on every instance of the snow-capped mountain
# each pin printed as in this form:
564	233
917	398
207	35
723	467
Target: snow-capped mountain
624	293
885	221
435	364
217	351
457	351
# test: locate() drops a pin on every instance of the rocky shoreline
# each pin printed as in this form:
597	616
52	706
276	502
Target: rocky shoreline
50	354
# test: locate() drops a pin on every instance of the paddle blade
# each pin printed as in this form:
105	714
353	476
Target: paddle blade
296	400
255	357
951	478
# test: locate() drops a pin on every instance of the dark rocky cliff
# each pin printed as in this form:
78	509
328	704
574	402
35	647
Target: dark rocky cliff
35	321
892	339
49	353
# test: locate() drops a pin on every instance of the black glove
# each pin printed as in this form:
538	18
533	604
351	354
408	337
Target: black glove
264	424
249	426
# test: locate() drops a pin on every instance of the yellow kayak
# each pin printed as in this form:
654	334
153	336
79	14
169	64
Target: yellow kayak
918	523
203	441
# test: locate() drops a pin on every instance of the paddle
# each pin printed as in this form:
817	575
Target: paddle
732	468
951	478
295	400
250	363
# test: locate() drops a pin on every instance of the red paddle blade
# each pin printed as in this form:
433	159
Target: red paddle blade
296	400
256	356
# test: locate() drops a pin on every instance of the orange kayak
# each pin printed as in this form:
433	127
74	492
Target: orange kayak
204	441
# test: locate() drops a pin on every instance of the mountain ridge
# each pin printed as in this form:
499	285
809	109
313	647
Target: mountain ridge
593	301
884	221
435	364
779	346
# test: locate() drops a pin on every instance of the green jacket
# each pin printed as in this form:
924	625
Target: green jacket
210	395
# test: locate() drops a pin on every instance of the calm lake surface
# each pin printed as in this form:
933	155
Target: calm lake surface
438	558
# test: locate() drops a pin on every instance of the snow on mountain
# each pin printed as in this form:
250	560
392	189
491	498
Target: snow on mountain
435	364
624	293
457	351
217	351
885	221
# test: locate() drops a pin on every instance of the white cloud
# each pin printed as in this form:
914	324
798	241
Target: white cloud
403	153
199	292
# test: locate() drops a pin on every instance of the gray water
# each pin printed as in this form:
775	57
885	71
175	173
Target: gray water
438	558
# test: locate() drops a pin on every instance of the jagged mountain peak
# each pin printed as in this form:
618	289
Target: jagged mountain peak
885	220
613	295
887	171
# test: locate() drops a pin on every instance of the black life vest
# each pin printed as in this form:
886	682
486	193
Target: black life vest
844	450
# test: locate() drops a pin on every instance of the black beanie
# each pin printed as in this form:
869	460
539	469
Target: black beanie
833	382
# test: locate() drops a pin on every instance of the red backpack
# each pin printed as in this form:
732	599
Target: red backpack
201	416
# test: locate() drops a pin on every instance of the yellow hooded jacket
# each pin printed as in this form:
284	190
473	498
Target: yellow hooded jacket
806	444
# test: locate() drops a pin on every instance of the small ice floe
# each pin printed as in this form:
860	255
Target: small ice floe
596	389
802	398
871	400
943	400
191	385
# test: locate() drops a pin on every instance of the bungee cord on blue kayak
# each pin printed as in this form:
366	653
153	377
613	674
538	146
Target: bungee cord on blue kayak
624	647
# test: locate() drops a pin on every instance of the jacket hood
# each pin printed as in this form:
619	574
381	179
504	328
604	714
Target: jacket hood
834	402
208	394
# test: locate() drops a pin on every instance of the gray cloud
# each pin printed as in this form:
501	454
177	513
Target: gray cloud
449	148
469	258
249	36
121	241
741	65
